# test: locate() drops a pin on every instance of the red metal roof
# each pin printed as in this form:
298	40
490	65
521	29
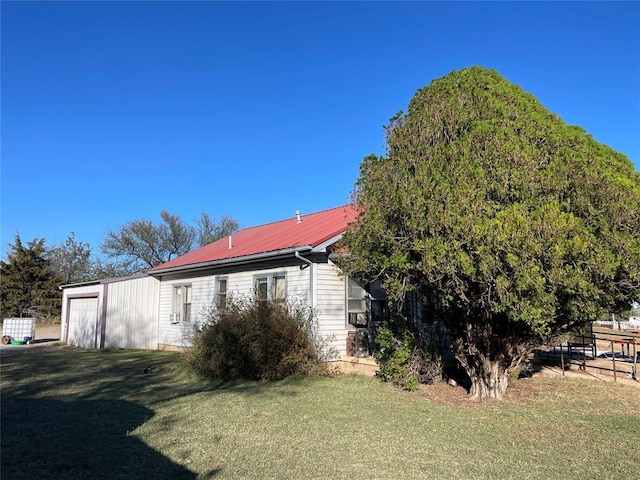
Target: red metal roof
313	230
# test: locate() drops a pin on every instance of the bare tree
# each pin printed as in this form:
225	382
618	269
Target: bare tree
143	244
209	230
71	260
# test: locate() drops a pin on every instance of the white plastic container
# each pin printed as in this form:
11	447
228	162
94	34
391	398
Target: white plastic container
18	329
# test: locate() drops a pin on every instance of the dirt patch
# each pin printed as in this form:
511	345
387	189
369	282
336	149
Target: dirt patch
444	394
601	374
521	392
46	335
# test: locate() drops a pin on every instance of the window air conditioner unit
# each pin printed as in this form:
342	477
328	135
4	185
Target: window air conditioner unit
358	319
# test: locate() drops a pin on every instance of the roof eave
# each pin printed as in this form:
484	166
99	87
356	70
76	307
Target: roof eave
104	281
230	261
79	284
322	247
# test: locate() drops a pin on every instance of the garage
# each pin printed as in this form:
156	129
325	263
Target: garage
82	322
112	313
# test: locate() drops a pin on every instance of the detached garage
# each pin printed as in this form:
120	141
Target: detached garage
82	325
119	313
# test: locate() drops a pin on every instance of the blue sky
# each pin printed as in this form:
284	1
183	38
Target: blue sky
113	111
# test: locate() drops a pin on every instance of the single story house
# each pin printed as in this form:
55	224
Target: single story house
292	259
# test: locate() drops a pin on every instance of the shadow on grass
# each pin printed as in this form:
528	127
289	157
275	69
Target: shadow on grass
68	413
145	377
53	439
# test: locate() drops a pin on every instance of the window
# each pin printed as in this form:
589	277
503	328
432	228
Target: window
279	289
181	304
366	304
262	289
356	304
272	288
221	293
377	302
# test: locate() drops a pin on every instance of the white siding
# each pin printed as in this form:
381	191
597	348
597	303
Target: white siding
83	330
132	313
201	295
331	306
202	298
71	330
137	312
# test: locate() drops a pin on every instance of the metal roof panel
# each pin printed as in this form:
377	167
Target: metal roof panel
311	231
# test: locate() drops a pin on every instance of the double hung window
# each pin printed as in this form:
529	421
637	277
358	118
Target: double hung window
221	292
271	288
366	303
181	312
356	303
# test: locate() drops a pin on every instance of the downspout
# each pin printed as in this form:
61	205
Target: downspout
311	286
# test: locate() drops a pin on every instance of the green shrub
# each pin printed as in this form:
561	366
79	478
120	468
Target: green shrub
402	358
254	340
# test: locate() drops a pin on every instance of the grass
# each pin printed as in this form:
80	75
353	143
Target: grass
70	413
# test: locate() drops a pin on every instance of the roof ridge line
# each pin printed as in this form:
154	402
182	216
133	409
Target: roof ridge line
291	218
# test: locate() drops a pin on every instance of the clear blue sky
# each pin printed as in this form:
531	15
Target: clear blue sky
113	111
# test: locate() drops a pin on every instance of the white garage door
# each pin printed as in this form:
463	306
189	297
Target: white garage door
83	322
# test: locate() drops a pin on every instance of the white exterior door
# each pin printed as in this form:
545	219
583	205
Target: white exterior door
82	326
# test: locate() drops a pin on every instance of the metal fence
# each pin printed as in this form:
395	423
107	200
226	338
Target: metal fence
605	350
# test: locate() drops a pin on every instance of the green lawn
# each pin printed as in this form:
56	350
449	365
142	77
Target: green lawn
73	414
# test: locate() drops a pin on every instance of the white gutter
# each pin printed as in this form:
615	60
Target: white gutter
297	254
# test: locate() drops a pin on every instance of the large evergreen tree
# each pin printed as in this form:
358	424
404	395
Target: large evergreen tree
28	284
510	226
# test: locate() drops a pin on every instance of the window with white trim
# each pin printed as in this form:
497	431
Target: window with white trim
181	312
271	288
262	289
221	292
279	288
356	303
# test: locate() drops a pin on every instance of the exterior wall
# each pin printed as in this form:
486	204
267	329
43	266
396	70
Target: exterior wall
331	306
85	291
127	312
177	335
320	285
136	312
132	313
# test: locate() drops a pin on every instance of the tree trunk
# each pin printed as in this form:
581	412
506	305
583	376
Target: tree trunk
490	359
489	379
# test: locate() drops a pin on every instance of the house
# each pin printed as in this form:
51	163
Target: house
292	259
